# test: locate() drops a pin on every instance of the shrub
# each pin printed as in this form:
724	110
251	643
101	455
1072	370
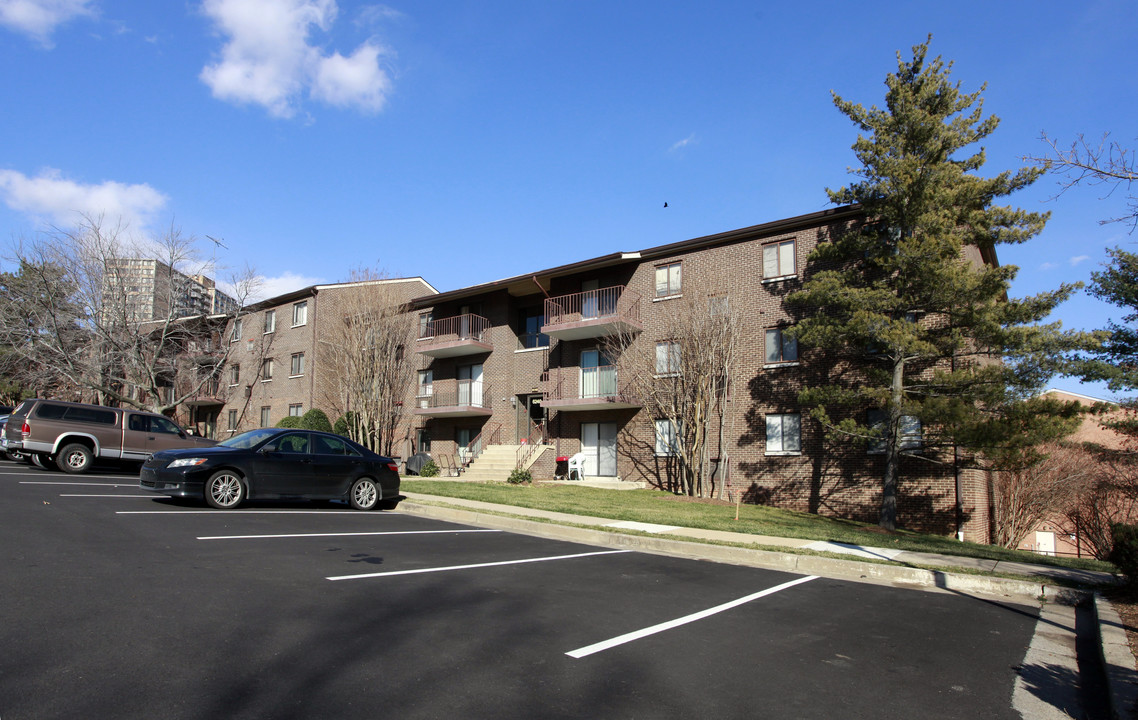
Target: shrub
315	419
429	469
519	476
343	424
290	421
1125	552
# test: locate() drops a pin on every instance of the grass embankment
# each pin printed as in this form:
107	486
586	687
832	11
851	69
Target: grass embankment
653	506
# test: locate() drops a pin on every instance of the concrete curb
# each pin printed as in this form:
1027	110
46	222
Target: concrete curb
1029	590
1117	659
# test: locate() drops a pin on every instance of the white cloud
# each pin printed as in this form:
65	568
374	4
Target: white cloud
268	287
1079	259
39	18
62	201
267	58
683	143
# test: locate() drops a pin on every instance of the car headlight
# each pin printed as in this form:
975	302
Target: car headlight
186	462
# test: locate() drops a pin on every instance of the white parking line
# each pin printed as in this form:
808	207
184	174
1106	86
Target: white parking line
108	496
476	565
350	534
232	513
96	484
629	637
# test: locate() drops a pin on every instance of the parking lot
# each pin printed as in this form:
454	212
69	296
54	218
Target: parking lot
119	603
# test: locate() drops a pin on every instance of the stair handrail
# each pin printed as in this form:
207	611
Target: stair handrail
491	432
530	445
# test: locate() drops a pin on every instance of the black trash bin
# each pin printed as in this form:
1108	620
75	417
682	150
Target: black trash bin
562	469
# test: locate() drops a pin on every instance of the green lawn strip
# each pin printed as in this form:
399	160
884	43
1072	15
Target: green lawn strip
653	506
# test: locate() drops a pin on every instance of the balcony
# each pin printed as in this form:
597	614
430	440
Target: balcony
455	336
589	388
454	398
592	314
208	394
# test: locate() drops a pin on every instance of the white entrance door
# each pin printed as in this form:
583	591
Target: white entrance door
470	385
598	442
1044	542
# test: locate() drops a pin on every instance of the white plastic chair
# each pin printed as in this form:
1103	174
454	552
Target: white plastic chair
577	464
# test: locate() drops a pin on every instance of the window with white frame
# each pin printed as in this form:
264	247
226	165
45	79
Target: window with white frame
667	439
295	410
669	280
266	416
718	306
667	357
426	387
426	326
270	321
267	370
234	373
780	348
784	434
236	330
778	259
232	419
911	436
300	313
296	366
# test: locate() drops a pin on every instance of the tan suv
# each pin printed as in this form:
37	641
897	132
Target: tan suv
72	435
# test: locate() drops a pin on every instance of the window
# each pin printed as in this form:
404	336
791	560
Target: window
718	306
236	330
270	321
667	442
667	358
267	370
295	410
529	329
784	434
911	438
778	259
297	365
232	419
424	444
266	420
426	327
300	313
234	374
426	387
669	280
780	348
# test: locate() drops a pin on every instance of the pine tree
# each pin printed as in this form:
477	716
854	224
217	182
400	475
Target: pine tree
910	304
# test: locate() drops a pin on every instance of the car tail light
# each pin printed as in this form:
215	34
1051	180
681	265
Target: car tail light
393	467
26	430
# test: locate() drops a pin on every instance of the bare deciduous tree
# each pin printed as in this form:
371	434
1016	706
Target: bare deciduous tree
683	384
366	349
1045	489
1111	497
1107	163
86	318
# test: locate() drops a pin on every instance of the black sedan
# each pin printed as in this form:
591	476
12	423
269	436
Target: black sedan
275	463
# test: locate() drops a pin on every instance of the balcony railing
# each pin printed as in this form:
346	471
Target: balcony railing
593	313
454	398
588	388
466	334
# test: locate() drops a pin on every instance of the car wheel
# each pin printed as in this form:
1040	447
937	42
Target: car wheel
224	490
41	461
75	458
364	494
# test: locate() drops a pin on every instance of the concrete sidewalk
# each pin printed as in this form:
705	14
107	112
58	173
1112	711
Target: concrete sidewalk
1055	645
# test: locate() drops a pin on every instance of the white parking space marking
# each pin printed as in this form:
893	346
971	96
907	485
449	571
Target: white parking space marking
96	484
348	534
151	497
629	637
476	565
234	513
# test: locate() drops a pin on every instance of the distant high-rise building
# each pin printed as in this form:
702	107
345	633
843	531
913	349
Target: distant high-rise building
145	289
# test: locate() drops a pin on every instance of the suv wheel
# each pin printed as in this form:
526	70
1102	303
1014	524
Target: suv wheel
75	458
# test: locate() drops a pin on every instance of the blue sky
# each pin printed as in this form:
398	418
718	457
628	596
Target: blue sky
471	141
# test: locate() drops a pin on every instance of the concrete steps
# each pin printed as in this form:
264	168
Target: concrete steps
496	463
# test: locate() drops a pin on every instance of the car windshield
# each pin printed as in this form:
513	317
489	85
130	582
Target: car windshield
247	440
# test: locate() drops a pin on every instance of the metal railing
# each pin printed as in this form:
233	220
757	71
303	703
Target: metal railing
610	302
530	444
455	393
491	435
460	327
585	383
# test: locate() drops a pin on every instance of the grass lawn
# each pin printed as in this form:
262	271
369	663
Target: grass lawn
653	506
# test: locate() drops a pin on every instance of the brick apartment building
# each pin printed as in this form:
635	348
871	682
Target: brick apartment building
277	363
523	360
